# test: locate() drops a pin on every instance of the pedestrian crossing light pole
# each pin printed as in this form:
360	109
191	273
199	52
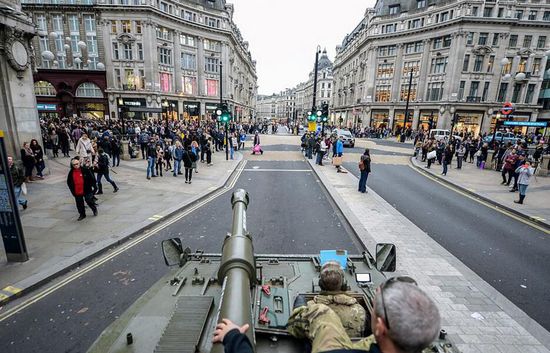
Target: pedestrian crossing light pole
324	117
225	117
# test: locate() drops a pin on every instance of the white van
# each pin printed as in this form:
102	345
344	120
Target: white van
440	134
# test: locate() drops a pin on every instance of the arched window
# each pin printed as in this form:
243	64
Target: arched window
88	89
44	88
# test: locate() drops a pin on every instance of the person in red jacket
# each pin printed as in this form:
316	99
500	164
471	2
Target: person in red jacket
82	184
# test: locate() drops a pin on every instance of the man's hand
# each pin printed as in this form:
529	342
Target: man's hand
224	327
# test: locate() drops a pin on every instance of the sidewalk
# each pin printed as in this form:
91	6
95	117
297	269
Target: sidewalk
486	185
56	242
476	316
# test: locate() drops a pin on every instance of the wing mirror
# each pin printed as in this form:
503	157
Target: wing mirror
386	258
173	252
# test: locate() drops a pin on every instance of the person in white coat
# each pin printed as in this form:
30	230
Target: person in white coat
84	148
525	172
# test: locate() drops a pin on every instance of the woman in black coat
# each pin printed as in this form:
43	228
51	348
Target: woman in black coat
39	158
188	158
27	156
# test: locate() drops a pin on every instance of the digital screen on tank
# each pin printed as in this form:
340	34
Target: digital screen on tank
362	277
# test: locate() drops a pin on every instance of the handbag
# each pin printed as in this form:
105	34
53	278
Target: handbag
337	161
432	155
24	188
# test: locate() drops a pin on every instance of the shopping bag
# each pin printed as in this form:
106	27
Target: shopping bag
432	155
337	161
24	188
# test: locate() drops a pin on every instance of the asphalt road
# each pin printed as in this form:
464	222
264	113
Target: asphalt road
508	254
289	212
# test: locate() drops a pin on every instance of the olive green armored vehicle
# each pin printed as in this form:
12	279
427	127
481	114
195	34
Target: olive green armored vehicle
180	312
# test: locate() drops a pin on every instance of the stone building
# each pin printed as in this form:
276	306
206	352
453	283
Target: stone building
467	58
18	117
160	59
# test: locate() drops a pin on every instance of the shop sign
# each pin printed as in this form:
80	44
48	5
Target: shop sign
41	106
526	123
133	102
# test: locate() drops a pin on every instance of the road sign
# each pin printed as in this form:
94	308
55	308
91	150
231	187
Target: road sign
526	123
312	126
507	108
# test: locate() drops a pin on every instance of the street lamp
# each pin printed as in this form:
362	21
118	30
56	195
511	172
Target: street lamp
121	109
317	52
402	138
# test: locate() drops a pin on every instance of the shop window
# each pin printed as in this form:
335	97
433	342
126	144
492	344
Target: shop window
89	89
44	88
166	82
211	87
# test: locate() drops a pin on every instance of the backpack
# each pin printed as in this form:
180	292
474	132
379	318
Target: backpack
103	162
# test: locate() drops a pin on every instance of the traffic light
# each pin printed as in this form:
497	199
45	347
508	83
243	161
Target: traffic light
324	112
310	116
225	116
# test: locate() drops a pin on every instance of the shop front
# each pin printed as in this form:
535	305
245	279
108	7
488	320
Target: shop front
516	116
210	110
380	119
47	111
170	110
92	111
399	120
136	108
191	110
468	123
424	120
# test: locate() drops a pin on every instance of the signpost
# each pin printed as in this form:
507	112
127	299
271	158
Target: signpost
10	222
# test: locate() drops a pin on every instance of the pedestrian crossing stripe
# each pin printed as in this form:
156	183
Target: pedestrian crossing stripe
11	289
155	217
538	218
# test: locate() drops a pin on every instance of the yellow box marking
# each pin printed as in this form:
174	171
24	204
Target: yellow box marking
3	297
11	289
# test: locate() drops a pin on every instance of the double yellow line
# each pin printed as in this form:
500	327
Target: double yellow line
483	202
100	261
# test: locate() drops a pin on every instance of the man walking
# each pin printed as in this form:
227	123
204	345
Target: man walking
151	152
82	184
103	170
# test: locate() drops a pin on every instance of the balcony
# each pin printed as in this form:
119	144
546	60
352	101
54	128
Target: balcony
473	99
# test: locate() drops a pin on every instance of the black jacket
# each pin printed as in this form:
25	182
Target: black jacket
90	185
188	158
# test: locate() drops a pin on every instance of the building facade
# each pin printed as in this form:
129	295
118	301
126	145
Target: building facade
159	59
461	59
18	118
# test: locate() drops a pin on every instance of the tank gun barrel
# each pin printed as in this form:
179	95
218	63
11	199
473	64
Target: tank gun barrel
237	269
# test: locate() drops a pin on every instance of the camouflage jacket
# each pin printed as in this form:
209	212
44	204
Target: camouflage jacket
351	313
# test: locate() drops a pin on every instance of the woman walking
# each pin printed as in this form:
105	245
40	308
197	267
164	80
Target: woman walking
364	167
525	172
27	156
38	157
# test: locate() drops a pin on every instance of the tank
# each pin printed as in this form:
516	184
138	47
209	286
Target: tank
180	312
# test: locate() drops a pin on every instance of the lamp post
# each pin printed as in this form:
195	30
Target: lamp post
402	139
317	52
121	112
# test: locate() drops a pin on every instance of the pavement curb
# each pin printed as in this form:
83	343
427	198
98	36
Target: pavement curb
360	233
478	196
21	288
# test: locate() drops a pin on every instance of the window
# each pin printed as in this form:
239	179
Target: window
138	27
502	92
127	50
44	88
435	91
416	23
189	84
383	93
474	86
442	42
187	40
115	51
487	12
466	63
461	90
444	16
89	23
57	23
211	64
536	66
411	65
385	71
478	63
141	79
470	38
212	22
516	92
546	16
130	79
394	9
541	43
405	91
165	56
126	26
387	50
482	40
491	63
188	61
529	94
519	14
527	41
475	11
88	89
532	15
211	87
506	69
421	3
212	45
165	82
414	47
73	23
140	51
439	65
495	39
164	33
113	27
41	22
188	16
500	12
91	42
513	41
485	91
389	28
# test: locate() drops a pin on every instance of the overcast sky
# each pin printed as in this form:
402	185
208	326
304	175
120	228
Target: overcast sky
283	35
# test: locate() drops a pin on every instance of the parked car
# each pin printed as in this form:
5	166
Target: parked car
442	135
505	137
348	139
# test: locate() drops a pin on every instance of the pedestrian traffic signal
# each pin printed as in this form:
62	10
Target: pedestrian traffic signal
310	116
324	112
225	115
